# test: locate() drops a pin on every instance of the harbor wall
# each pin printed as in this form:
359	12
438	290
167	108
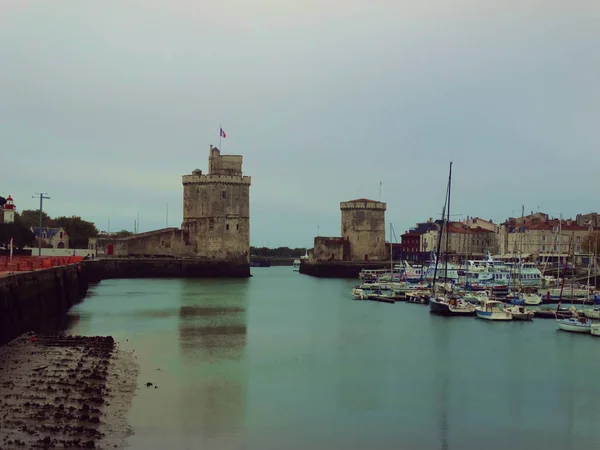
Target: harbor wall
339	269
32	301
101	269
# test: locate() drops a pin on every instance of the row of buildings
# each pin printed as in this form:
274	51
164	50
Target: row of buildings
535	236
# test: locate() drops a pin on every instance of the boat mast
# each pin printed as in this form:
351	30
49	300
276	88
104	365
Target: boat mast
447	224
559	245
439	239
391	255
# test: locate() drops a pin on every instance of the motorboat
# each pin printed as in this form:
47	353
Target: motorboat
296	266
493	310
451	306
519	312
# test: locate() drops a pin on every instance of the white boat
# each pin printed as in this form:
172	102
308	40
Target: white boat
592	313
575	324
296	267
595	329
532	299
359	294
493	310
519	312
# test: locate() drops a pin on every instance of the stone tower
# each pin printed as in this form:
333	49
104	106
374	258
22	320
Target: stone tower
363	226
9	210
216	209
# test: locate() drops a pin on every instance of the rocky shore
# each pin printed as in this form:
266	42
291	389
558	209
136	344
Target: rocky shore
65	392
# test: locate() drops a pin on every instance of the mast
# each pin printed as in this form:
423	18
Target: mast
447	224
559	246
391	254
439	239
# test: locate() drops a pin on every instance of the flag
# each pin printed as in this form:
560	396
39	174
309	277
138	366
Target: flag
223	133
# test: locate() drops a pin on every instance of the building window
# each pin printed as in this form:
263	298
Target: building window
543	238
237	226
543	248
578	248
211	224
61	234
555	248
227	227
224	194
578	238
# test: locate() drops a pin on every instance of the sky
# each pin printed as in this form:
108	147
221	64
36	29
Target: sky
105	105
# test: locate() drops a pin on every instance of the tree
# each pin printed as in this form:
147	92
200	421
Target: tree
31	218
21	235
2	201
78	230
591	243
121	234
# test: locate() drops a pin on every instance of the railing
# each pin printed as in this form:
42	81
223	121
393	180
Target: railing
29	263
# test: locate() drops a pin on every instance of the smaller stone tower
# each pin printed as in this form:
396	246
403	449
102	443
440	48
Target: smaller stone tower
9	210
216	209
363	226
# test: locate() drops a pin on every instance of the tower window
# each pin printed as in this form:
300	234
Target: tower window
227	227
237	226
223	194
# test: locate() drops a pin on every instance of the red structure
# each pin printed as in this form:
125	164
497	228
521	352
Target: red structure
411	245
21	263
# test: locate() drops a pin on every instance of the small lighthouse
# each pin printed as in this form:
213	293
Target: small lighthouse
9	210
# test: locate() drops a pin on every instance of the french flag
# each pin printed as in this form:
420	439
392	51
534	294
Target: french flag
223	135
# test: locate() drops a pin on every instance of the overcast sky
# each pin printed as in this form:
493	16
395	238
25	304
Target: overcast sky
105	104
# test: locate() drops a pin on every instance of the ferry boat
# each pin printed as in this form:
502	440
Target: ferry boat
296	266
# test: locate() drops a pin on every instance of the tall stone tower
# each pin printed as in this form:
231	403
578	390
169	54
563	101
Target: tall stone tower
363	226
216	209
9	210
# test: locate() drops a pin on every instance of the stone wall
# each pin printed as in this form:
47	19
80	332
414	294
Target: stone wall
163	268
329	249
363	225
32	301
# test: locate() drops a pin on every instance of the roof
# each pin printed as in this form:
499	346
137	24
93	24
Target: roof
362	200
50	232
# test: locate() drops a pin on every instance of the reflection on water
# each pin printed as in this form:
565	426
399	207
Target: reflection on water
212	339
287	361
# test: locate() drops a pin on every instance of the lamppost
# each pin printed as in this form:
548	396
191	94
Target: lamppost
42	196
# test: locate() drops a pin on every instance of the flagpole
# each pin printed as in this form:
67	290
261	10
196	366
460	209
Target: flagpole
220	135
379	191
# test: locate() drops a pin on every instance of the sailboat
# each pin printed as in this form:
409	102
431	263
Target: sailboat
447	304
577	323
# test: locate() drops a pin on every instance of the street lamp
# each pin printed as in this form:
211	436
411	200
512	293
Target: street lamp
42	196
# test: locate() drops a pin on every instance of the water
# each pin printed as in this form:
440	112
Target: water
286	361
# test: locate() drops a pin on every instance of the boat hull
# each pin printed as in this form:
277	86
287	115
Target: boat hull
595	330
494	315
445	309
574	326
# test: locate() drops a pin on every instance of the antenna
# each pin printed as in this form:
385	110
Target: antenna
42	196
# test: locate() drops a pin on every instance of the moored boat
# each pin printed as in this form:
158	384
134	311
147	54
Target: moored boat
493	310
519	312
575	324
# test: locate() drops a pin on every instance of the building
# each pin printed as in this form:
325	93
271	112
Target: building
411	245
216	219
588	220
216	209
51	237
464	240
8	210
551	240
363	234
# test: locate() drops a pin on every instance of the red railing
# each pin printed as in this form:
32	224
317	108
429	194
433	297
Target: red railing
28	263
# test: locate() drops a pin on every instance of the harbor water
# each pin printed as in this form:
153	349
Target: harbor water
286	361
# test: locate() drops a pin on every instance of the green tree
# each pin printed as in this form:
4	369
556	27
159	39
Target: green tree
78	230
122	233
21	235
31	218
